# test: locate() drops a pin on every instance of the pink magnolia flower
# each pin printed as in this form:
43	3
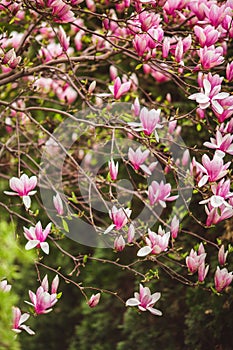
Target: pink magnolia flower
156	243
179	51
226	109
206	36
150	121
119	217
202	271
23	187
136	107
206	97
57	201
36	237
222	143
166	47
140	43
63	39
148	19
43	301
160	193
222	255
10	59
221	192
92	87
113	169
216	215
194	260
216	13
61	12
94	300
113	72
18	320
175	223
131	233
4	286
222	278
144	300
210	56
119	243
229	71
119	89
213	169
137	158
66	93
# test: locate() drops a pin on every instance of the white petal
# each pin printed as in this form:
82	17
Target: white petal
45	247
132	302
31	244
216	201
109	229
144	251
145	169
203	181
154	311
27	329
27	201
218	108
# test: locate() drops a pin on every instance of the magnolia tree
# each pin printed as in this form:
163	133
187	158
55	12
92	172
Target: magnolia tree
99	104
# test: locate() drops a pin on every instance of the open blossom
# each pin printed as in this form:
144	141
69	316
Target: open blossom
194	260
18	320
223	143
144	300
160	193
206	36
4	286
209	97
57	201
140	43
227	109
216	13
36	237
213	169
217	214
150	120
210	56
222	278
11	59
120	217
94	300
61	12
119	88
113	169
137	158
42	300
23	187
221	192
155	243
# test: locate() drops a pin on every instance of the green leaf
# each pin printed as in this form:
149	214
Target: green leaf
59	295
199	127
65	225
138	66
